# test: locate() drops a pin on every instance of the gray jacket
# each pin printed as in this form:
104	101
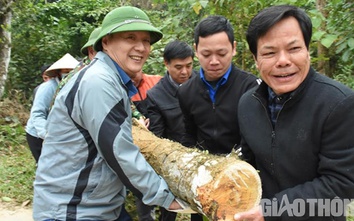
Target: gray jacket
88	155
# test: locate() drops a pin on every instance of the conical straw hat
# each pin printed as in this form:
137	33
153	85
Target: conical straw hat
65	62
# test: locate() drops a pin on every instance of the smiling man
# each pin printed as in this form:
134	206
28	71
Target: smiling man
295	125
88	157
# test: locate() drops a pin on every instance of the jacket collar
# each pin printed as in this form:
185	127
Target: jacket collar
170	86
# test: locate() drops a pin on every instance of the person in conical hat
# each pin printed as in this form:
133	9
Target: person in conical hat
89	146
62	67
36	124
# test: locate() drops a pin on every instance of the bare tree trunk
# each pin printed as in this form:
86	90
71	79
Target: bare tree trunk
322	51
216	186
5	41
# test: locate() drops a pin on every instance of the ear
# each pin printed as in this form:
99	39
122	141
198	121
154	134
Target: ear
234	48
255	60
195	49
90	50
104	42
165	62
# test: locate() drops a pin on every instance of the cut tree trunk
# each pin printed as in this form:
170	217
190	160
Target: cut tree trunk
213	185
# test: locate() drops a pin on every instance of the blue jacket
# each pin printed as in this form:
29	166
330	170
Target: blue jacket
88	155
36	124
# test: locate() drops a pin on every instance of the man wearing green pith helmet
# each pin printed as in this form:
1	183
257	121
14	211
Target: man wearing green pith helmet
89	147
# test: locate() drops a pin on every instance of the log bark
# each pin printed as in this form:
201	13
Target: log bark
215	186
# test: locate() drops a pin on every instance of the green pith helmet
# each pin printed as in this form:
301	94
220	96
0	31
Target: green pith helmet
126	18
93	36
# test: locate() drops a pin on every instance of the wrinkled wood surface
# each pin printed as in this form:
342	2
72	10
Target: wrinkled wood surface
216	186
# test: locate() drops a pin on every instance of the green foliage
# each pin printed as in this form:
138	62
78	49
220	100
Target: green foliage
43	32
16	163
337	34
176	23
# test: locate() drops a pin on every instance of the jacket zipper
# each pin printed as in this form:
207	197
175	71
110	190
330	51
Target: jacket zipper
273	135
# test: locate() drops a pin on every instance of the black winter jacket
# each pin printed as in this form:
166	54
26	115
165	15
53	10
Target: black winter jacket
213	126
166	119
309	154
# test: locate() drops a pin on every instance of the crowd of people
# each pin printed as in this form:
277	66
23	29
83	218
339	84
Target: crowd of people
292	124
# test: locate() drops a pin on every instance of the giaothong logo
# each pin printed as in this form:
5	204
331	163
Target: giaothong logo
307	207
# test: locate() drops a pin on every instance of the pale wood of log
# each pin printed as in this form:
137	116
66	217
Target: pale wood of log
216	186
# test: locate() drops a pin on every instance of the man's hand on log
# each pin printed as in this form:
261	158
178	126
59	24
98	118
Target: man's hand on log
179	206
254	214
175	206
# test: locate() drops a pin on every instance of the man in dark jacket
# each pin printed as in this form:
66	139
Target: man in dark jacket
209	101
166	119
165	115
296	125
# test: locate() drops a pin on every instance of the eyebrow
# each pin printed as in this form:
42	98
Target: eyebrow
176	65
272	47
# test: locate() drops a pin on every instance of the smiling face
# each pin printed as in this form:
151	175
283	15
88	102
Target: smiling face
129	49
215	54
282	57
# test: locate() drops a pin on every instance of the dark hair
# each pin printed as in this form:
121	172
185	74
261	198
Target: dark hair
177	49
211	25
44	68
268	17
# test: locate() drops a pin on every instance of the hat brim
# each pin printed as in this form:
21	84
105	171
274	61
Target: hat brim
65	62
155	34
88	44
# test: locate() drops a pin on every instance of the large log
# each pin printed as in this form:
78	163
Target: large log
213	185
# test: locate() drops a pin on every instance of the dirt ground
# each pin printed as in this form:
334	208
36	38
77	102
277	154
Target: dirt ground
11	212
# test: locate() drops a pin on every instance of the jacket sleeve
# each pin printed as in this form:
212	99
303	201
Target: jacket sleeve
157	123
189	138
40	107
104	110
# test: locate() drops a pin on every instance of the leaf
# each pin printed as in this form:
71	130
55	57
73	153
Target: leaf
328	40
351	43
316	22
6	199
318	35
346	56
197	7
204	3
341	47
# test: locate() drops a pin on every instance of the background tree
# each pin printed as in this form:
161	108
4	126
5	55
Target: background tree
5	40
